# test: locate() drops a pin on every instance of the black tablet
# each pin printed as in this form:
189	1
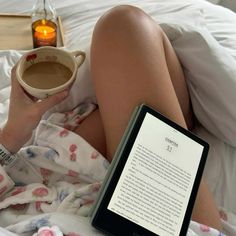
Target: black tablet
153	180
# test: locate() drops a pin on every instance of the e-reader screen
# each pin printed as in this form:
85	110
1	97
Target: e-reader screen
154	187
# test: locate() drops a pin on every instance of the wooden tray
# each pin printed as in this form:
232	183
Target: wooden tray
16	32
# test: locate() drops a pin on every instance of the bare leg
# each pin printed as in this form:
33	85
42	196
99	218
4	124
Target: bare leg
132	61
91	129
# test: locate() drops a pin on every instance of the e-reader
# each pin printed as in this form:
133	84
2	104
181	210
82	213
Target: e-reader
153	180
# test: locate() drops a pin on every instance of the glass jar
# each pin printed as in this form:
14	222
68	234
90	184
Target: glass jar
44	24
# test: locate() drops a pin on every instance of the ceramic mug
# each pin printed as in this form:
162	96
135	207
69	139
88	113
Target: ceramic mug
48	61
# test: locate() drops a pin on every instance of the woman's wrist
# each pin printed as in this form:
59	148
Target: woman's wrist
8	140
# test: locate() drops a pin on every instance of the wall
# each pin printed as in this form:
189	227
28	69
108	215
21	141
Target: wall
229	4
214	1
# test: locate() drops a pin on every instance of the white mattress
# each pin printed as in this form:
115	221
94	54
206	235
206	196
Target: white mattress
79	18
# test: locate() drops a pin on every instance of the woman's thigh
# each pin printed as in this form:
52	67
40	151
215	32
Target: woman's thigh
132	62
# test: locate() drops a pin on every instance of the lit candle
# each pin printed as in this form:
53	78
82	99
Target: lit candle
44	33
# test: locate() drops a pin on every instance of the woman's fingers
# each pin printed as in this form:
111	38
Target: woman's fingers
51	101
16	89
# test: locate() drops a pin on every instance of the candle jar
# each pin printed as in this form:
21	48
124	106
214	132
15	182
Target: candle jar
44	33
44	27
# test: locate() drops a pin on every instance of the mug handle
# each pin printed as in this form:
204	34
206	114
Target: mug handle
81	56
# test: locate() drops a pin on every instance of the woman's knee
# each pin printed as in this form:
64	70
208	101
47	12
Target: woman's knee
126	22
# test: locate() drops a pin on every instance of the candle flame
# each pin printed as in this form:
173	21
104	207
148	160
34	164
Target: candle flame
45	32
43	21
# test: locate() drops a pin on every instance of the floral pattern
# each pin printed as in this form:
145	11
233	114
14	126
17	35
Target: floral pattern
19	207
51	58
40	192
61	161
36	224
64	133
49	231
73	234
72	173
1	178
18	189
204	228
30	153
31	58
3	190
73	147
38	205
94	155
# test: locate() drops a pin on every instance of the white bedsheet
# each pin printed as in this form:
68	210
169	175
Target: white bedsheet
186	16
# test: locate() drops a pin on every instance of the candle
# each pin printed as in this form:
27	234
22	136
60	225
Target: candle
44	33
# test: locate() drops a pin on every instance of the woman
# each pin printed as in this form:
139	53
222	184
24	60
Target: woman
132	61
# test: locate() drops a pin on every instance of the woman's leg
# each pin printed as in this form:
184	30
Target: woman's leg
132	61
91	129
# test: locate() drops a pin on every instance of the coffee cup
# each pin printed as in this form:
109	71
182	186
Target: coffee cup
47	70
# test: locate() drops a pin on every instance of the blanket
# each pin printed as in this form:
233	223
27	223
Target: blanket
57	177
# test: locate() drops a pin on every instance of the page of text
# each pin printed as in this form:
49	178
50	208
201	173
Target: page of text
155	185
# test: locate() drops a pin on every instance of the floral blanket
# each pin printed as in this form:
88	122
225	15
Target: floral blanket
50	188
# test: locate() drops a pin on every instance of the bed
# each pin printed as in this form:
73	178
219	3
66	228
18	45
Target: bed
204	37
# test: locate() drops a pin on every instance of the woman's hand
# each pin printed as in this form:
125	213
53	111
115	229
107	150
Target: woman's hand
24	115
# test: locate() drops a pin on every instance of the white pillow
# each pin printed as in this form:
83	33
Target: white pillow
210	71
221	22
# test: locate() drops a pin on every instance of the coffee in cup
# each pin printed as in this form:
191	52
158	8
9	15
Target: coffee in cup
48	70
46	75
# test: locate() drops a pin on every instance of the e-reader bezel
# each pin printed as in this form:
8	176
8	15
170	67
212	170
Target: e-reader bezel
114	224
